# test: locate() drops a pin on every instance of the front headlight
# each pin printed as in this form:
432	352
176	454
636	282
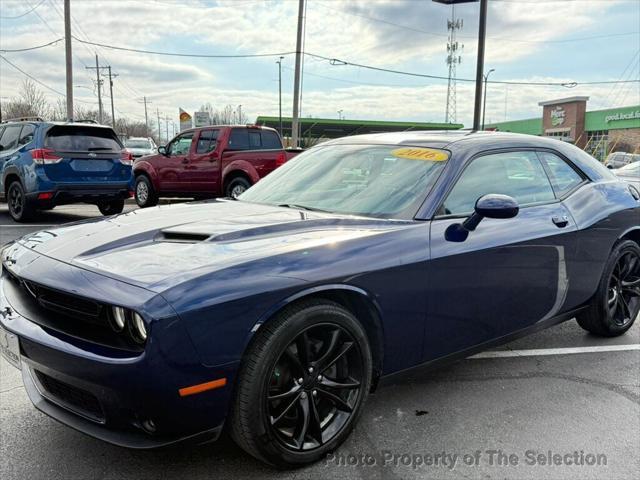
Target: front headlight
130	322
138	328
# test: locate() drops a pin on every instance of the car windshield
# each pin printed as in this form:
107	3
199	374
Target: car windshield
137	144
631	170
378	181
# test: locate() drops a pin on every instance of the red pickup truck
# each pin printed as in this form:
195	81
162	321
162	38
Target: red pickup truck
209	162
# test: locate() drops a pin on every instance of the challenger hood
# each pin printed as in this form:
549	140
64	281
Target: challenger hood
158	247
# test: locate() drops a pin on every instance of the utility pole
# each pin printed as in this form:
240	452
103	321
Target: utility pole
159	131
239	113
68	58
97	68
482	31
484	100
296	78
279	62
166	126
113	113
146	116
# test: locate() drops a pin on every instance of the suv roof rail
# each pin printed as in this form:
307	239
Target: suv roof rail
87	120
23	119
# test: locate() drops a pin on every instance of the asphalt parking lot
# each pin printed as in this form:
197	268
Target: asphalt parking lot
500	415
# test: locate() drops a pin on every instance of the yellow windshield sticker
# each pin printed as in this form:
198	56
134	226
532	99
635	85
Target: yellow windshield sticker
427	154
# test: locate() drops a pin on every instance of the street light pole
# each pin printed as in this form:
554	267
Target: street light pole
68	59
296	77
484	99
482	31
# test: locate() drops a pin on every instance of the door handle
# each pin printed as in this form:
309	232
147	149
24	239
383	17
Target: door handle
185	161
561	221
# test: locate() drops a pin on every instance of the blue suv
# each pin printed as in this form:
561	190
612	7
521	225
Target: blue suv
44	164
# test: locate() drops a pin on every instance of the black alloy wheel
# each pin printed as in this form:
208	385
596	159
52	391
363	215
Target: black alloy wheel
302	384
314	387
616	305
19	209
623	299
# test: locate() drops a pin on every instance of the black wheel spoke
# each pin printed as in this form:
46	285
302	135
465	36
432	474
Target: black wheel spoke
324	361
275	421
293	358
339	403
304	349
295	389
626	311
315	427
343	349
304	410
348	385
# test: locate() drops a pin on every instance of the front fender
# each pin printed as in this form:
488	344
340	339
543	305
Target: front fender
144	166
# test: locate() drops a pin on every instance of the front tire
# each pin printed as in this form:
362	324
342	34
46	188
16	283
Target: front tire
112	207
145	194
19	208
616	305
302	385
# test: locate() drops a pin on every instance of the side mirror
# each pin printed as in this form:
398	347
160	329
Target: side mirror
162	150
488	206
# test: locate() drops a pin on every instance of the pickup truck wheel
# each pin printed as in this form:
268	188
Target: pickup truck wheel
19	208
145	194
237	187
112	207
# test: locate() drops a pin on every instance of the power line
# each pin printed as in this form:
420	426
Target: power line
426	32
174	54
27	49
35	79
23	14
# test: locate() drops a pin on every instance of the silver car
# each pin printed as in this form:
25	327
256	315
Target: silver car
140	146
630	173
620	159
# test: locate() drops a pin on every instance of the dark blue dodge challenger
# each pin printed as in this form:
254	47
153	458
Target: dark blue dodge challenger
276	314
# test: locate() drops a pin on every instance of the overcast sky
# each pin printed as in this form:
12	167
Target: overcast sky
528	40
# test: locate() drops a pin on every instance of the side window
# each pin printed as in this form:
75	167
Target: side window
270	140
239	139
254	140
181	145
563	177
26	135
517	174
207	141
9	139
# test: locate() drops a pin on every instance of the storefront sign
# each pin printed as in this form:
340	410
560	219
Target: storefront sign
185	120
615	117
201	119
557	116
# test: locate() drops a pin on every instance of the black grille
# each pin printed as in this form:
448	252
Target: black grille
71	397
71	305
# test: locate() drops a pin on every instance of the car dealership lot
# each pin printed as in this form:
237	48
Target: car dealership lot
522	406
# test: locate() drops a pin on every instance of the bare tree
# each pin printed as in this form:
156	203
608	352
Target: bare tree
30	102
226	116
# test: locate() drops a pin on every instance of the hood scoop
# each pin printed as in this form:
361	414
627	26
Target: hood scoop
181	237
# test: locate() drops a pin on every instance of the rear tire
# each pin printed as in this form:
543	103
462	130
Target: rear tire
237	187
145	194
302	385
112	207
19	208
616	305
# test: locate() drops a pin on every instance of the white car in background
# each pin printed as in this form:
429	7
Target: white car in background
630	173
140	146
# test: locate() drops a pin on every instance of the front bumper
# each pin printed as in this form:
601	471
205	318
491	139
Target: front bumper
130	399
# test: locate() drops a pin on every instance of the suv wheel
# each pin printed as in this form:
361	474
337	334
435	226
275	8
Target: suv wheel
145	194
112	207
19	208
237	187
